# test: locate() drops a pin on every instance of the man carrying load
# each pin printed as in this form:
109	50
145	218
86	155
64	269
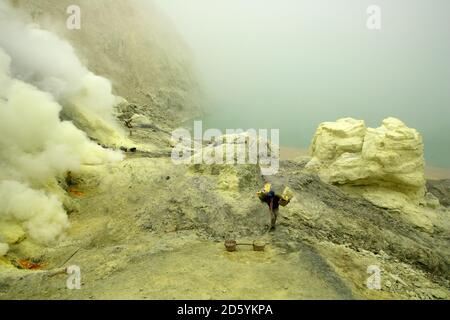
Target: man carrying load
274	200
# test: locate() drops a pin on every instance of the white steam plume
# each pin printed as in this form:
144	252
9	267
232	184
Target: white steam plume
43	59
38	74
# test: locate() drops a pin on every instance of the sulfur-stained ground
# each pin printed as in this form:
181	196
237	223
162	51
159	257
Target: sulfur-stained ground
147	229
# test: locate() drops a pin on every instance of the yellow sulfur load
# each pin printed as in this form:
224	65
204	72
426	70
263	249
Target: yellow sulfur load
286	197
262	193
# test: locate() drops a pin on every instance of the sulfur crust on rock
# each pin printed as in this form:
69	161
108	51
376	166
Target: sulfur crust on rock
345	152
385	165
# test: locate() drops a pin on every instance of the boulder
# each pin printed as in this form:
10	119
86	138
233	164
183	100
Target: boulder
237	160
391	156
139	120
335	138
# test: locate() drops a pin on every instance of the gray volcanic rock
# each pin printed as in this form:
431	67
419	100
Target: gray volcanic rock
441	190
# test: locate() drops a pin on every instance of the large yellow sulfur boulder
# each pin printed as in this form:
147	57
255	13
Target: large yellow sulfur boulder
391	156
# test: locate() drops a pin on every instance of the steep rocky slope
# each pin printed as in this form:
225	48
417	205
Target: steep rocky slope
131	44
53	78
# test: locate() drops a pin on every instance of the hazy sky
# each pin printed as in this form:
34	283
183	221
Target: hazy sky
291	64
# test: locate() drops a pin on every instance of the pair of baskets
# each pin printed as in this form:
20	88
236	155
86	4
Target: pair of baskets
231	245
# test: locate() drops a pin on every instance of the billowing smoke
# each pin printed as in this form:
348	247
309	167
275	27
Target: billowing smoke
3	249
42	216
41	78
43	59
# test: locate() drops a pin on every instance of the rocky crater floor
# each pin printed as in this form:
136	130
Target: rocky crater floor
145	228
